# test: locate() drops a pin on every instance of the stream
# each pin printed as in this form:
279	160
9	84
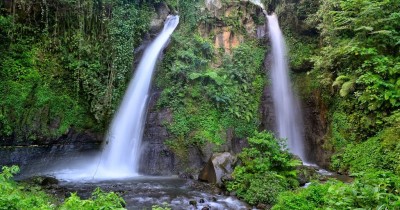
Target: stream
143	192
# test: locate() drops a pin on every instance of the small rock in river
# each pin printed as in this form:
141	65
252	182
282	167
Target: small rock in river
201	200
192	202
49	181
206	208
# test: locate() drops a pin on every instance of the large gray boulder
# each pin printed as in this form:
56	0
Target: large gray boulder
219	165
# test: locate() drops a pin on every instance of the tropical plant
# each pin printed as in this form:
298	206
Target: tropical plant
266	170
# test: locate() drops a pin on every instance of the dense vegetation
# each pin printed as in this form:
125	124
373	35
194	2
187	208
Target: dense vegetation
267	170
370	190
360	53
65	64
208	89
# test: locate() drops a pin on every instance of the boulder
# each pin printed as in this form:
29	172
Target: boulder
305	174
44	181
157	22
219	165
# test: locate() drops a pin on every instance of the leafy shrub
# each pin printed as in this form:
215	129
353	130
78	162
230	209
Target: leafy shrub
370	190
14	196
311	197
99	200
267	169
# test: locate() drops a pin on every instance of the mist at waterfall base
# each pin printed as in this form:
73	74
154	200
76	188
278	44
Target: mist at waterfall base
120	156
289	122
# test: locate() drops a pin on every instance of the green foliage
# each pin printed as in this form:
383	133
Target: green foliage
311	197
99	200
266	170
13	196
206	100
359	63
300	50
379	152
371	190
18	196
31	99
342	130
66	65
361	41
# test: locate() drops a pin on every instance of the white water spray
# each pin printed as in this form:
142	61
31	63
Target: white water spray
122	154
287	109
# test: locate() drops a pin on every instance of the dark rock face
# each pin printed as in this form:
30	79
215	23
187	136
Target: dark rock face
30	157
157	158
315	125
267	107
267	110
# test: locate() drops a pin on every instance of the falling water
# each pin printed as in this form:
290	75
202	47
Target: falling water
258	3
122	152
287	110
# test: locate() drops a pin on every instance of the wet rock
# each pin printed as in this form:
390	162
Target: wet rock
206	208
41	180
156	158
305	174
201	200
219	165
31	158
228	39
217	191
49	181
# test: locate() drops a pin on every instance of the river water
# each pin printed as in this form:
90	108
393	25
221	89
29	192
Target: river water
143	192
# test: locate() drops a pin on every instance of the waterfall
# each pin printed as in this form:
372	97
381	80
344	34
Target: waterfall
289	122
122	151
287	109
